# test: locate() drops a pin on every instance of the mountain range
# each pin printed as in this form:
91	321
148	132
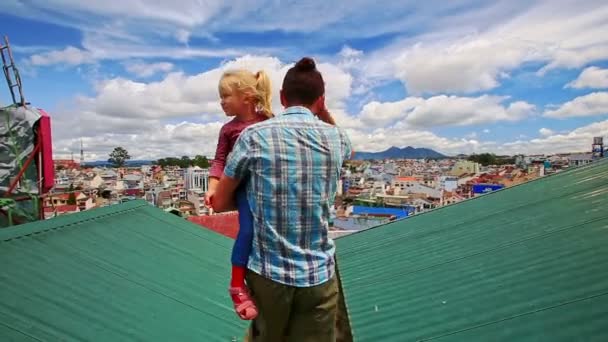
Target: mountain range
400	153
391	153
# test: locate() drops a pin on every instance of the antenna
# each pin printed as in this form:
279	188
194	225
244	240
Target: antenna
11	73
81	153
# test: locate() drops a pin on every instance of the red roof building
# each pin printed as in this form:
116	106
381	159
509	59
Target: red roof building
60	210
66	163
226	224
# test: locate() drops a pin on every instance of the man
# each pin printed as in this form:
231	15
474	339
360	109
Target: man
291	165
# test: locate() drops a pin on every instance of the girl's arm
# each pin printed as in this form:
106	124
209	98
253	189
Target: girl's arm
218	164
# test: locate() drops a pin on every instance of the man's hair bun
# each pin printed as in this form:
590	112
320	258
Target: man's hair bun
306	64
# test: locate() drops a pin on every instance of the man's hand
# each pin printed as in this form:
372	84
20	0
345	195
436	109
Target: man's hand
325	116
223	198
322	113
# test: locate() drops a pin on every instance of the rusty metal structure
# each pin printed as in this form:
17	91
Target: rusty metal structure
26	163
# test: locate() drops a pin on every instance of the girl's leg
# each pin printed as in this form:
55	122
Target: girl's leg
240	255
244	238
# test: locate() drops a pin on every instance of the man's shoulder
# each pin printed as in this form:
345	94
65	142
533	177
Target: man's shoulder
259	128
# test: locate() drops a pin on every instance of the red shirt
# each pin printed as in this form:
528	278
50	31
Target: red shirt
228	135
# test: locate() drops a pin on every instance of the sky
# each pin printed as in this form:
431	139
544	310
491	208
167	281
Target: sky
461	76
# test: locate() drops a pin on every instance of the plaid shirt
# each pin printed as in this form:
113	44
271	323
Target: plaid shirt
291	164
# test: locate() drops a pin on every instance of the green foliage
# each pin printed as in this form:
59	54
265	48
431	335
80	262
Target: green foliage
185	161
486	159
119	156
72	195
201	161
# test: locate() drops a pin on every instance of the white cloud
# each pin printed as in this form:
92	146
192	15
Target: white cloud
470	58
159	23
152	142
464	46
577	140
177	95
587	105
545	132
461	47
591	77
143	70
68	56
444	110
145	111
182	36
181	95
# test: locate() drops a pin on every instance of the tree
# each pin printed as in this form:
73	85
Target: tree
184	162
119	156
201	161
484	159
72	195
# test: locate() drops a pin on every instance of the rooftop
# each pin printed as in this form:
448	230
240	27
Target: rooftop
526	263
123	272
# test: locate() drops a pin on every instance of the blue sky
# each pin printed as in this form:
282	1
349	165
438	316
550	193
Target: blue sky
462	76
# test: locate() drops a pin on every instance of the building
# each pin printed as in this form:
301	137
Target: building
50	212
580	159
67	164
481	188
226	224
404	183
196	178
417	188
465	166
59	199
197	198
133	181
597	148
448	183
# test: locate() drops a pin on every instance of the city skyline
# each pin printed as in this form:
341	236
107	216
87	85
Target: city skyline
505	77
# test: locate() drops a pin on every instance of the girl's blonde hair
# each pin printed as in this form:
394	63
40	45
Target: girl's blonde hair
245	82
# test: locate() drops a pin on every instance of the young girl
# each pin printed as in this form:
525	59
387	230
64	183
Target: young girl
247	97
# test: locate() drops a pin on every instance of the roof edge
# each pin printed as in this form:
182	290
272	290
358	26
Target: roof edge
16	232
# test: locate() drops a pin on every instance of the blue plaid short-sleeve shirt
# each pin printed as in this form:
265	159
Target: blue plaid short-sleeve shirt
291	164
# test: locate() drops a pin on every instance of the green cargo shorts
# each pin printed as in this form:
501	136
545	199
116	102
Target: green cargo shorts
288	313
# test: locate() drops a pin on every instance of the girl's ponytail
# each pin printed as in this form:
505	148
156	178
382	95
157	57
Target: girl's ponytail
264	93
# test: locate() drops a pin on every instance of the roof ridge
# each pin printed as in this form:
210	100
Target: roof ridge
58	222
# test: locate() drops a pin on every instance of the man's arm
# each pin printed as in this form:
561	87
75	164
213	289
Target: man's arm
223	199
326	117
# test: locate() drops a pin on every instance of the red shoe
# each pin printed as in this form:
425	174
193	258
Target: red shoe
243	303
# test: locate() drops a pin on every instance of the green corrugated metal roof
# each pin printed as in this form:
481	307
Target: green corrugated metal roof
125	272
528	263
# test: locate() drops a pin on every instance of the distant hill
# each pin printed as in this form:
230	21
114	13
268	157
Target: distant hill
400	153
128	163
